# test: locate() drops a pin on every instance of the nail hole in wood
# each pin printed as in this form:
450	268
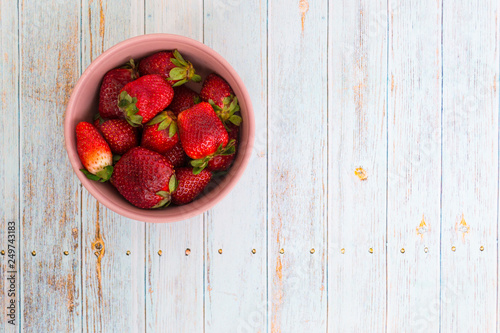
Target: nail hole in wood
370	250
402	250
33	253
128	253
188	252
98	246
254	251
160	253
282	251
342	250
66	253
220	251
3	252
453	248
481	248
312	251
426	249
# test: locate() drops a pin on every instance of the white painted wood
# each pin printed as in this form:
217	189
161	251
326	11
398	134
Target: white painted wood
470	166
237	225
51	292
113	282
357	139
414	166
174	290
9	167
297	81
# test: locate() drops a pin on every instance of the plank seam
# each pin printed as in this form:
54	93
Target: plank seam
387	170
441	184
327	157
20	267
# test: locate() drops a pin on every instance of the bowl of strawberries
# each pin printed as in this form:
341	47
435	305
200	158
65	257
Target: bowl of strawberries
159	128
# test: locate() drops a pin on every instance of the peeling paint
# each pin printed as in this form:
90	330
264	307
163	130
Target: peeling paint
361	173
304	8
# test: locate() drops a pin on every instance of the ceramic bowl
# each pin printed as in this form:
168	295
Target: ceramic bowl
84	101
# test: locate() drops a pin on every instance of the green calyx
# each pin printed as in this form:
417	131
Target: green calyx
98	116
173	183
165	201
183	72
166	119
132	67
201	163
127	104
101	176
227	113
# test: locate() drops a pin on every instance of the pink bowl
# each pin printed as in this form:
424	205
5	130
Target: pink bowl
83	105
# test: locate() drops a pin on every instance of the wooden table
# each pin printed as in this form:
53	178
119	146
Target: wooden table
370	203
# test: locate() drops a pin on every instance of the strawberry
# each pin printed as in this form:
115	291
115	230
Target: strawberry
112	83
120	136
184	98
221	163
160	134
94	152
190	185
171	65
176	156
144	98
145	178
218	93
203	135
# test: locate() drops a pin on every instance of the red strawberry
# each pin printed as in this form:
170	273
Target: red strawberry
112	83
94	152
120	136
221	163
203	135
171	65
219	94
190	185
145	178
176	156
184	98
144	98
160	134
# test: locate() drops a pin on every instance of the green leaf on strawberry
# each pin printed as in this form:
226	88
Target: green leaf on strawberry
166	119
101	176
173	184
183	72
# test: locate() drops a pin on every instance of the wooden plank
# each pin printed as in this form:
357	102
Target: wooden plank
414	166
9	168
297	81
174	294
238	226
358	133
470	166
50	192
113	282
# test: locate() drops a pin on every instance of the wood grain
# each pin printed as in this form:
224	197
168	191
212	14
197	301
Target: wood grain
174	286
113	282
414	166
357	143
297	81
51	292
470	166
9	166
238	224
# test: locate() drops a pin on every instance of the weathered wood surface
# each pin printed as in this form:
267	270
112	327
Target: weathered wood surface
469	280
113	282
358	143
407	91
9	166
174	280
297	173
414	166
50	198
238	224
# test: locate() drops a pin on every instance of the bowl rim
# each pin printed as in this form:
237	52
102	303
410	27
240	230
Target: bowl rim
234	174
